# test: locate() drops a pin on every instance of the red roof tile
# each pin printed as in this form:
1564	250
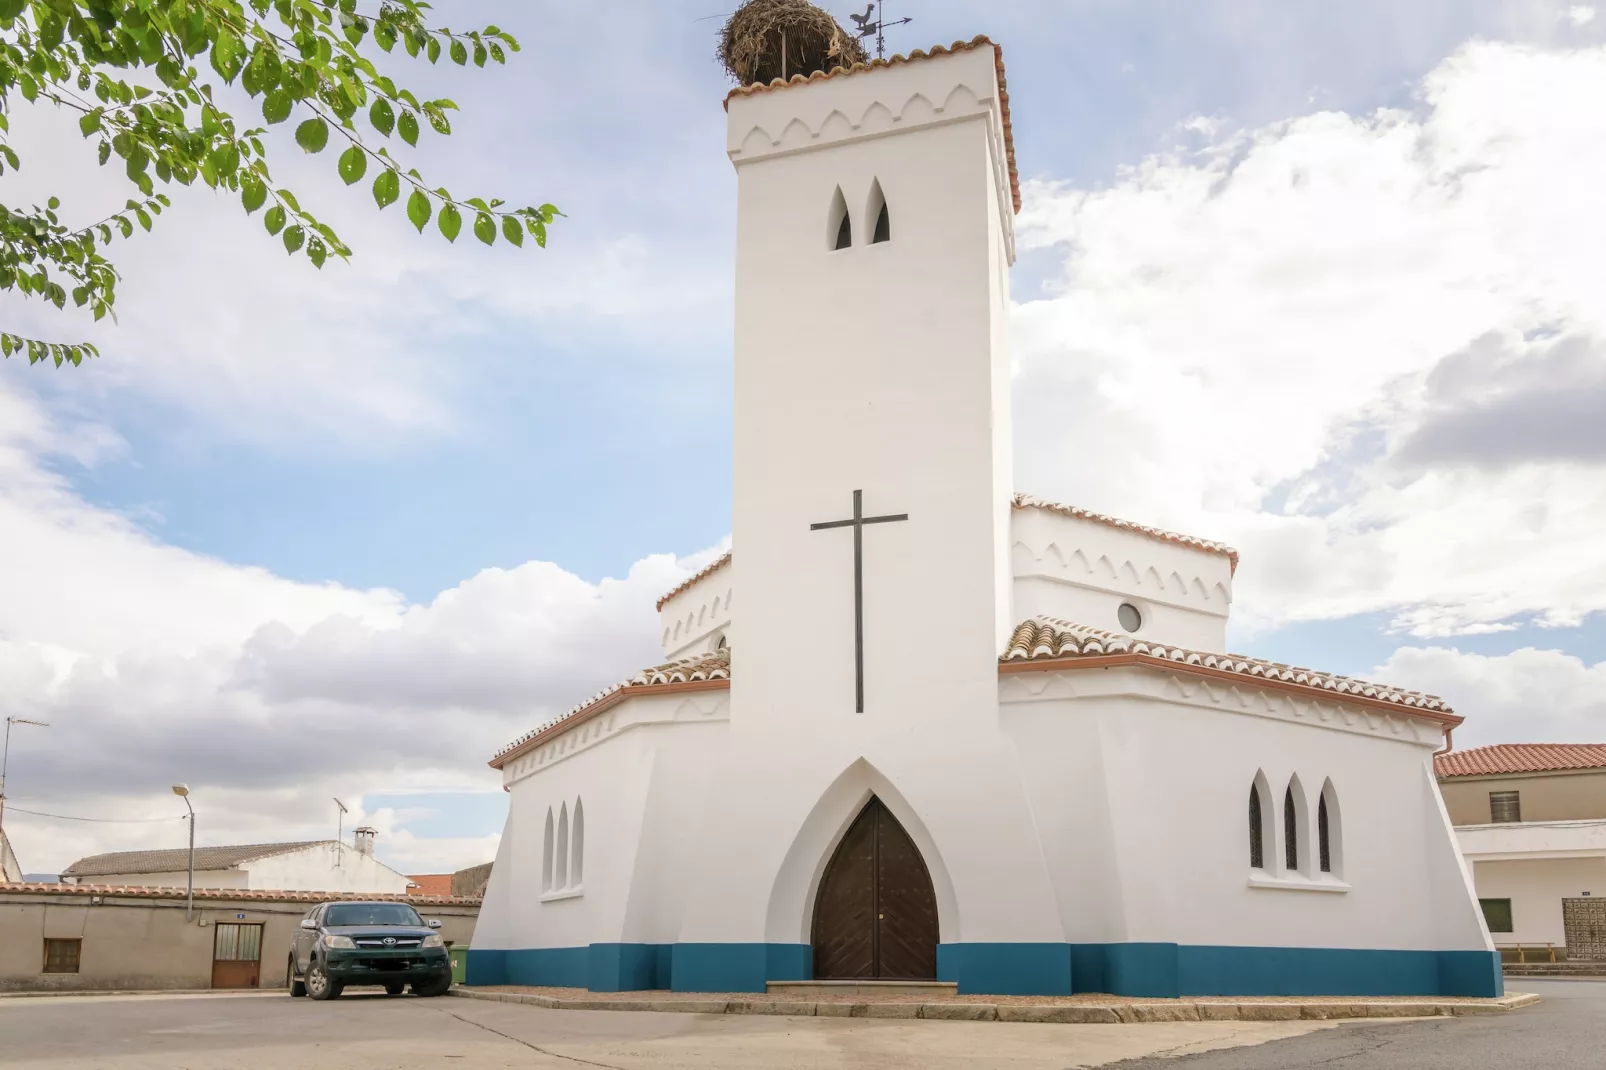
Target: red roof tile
228	894
431	884
1521	758
917	54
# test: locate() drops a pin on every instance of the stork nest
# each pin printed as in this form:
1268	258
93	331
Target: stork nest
769	39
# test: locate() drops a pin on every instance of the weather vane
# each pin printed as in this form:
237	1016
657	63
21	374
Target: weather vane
874	21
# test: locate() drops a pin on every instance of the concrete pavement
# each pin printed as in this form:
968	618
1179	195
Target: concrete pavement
270	1031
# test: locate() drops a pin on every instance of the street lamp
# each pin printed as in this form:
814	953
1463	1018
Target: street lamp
5	760
183	792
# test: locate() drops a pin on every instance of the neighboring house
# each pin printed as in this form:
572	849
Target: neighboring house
10	871
471	881
1531	822
312	865
429	884
63	937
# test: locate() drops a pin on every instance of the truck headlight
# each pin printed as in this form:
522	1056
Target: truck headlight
433	940
342	943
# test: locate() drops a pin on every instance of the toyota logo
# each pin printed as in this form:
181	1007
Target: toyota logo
390	941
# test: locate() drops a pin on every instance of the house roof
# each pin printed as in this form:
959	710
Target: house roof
1028	501
707	570
698	672
1050	640
178	858
1520	758
913	57
430	884
140	891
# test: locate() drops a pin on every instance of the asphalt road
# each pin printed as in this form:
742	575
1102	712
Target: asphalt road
1567	1030
361	1032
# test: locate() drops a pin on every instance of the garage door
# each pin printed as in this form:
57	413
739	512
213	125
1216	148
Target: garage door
237	956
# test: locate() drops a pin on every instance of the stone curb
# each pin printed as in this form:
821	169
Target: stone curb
1213	1010
42	993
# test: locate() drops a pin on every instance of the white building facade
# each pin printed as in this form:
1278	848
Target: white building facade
311	866
972	736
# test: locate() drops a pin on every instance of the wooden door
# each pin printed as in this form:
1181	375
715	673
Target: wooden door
237	956
875	917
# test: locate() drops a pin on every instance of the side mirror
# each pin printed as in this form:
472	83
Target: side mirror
308	923
433	923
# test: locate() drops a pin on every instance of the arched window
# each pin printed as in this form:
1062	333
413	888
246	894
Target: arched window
1257	830
840	230
560	878
1290	831
881	222
546	854
1330	831
577	850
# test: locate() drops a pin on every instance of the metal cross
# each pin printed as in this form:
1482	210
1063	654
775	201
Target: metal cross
857	523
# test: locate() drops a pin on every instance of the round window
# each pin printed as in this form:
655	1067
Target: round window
1131	620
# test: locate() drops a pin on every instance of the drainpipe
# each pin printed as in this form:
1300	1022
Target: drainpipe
1449	742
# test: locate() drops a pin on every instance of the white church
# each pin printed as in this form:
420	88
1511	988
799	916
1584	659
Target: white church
952	732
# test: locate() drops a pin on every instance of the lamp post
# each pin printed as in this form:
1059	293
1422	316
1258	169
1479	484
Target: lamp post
5	761
183	792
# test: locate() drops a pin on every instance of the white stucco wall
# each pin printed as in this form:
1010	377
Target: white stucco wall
1081	571
1536	889
319	868
204	878
693	620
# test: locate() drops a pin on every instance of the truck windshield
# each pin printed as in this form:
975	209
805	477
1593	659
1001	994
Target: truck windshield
371	914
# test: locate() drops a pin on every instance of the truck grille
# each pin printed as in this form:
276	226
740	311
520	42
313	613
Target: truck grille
378	943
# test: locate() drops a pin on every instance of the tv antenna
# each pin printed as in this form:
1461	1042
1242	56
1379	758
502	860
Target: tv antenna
340	830
874	21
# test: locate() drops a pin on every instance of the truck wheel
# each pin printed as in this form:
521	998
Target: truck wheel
433	988
394	990
319	984
298	987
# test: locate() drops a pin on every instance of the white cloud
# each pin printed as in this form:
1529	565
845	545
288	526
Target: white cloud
1579	15
1245	337
1527	696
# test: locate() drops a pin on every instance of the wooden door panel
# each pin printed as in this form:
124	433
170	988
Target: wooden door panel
906	938
235	974
844	912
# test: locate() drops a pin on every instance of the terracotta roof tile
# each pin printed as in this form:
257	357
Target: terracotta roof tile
130	891
1048	638
699	670
1521	758
1028	501
707	570
917	54
431	884
177	858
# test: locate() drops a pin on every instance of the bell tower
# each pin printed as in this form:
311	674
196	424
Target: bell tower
873	473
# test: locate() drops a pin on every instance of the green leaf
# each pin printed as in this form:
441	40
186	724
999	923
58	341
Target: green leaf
317	252
381	115
511	230
274	220
293	238
450	221
353	165
89	122
433	49
459	53
387	187
253	192
276	106
385	35
313	134
418	209
485	228
407	127
437	119
497	53
479	54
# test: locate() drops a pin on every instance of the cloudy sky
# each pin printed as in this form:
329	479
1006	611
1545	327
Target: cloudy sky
1322	281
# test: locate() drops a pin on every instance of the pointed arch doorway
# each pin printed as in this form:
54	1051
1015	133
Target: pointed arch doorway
875	917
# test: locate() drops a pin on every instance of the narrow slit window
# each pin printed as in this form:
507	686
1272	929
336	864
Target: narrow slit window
1290	831
840	231
881	225
560	856
577	866
1257	840
546	854
1323	843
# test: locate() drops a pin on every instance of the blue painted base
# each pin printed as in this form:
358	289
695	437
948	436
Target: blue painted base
1155	969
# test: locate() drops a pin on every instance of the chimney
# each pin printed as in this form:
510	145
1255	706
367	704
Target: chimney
363	840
